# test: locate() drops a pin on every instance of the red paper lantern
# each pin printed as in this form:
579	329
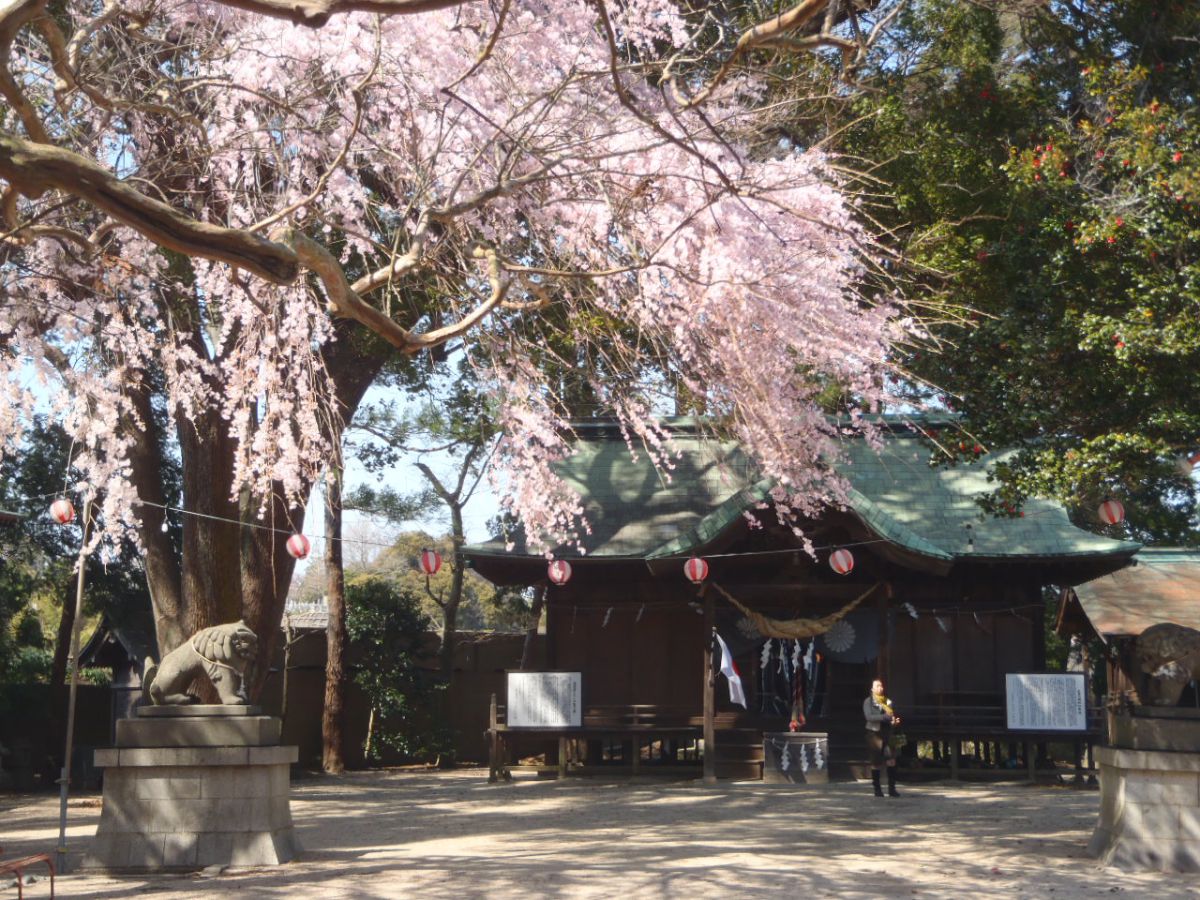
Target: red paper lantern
430	561
1111	512
298	546
62	512
841	561
695	569
559	572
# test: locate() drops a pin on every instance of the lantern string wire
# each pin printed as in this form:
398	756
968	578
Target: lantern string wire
969	537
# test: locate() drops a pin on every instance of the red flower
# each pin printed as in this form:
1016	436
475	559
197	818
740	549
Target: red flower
1177	157
1111	239
1120	221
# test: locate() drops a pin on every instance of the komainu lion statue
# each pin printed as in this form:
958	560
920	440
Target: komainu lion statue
221	653
1167	657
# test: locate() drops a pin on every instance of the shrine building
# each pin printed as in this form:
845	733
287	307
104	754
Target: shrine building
941	601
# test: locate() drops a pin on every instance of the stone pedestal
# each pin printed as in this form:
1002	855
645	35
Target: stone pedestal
807	757
1150	798
193	786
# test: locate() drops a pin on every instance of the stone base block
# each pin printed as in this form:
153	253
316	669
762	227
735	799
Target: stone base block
1178	734
170	711
1149	810
199	731
185	808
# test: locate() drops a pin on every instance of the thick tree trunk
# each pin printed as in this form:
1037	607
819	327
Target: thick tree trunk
449	632
535	618
229	570
211	571
160	558
450	609
266	574
62	640
335	634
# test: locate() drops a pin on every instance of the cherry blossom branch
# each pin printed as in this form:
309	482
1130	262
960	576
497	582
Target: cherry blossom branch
346	302
358	92
486	52
786	31
33	168
15	15
316	13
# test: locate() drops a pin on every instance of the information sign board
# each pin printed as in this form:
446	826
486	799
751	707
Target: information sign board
1046	702
544	700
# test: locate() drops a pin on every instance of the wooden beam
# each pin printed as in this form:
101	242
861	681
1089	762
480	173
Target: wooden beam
710	731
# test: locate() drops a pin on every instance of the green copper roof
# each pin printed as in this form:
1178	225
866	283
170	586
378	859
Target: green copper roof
928	510
635	511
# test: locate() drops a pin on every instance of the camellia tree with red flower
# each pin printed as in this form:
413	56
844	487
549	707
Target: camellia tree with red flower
1044	166
214	211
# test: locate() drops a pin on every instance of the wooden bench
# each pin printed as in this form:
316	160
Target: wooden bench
636	722
17	867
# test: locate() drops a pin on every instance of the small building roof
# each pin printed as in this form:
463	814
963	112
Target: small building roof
636	511
1163	586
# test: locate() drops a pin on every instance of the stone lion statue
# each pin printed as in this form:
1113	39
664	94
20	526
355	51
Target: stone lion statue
221	653
1166	657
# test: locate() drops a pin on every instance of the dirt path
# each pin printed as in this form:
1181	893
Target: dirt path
401	834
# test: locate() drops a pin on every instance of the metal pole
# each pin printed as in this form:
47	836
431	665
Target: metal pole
64	779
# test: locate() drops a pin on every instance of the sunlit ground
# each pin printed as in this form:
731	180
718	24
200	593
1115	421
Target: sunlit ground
405	834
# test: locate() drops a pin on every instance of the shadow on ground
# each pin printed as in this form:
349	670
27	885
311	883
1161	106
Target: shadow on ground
451	834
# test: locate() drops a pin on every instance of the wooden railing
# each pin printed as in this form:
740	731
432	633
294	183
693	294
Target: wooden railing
947	720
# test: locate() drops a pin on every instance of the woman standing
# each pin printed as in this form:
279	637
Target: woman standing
880	716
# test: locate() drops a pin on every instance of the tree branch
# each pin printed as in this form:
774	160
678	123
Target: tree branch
15	15
35	168
316	13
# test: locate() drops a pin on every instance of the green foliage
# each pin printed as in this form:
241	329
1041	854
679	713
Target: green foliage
482	607
38	557
386	626
1045	166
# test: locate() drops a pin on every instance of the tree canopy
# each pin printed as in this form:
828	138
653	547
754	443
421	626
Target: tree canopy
1042	166
202	204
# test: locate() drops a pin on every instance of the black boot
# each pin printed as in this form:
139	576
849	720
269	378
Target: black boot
875	781
892	792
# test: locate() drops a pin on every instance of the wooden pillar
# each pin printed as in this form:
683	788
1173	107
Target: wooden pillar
493	750
955	750
562	756
883	661
710	701
1030	760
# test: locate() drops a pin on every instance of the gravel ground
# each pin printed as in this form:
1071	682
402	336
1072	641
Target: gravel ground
451	834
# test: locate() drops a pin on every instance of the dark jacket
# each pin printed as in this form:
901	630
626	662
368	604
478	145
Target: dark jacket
874	714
